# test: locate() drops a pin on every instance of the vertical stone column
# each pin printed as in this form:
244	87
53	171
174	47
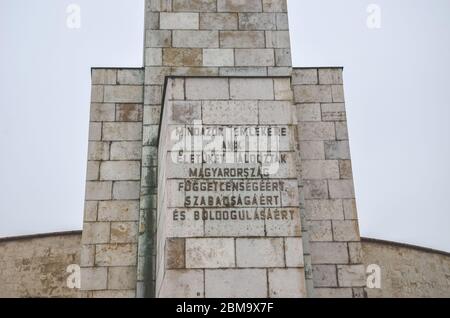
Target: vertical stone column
109	239
327	184
228	210
200	38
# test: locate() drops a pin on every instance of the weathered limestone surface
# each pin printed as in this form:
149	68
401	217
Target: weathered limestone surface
248	248
36	266
110	231
331	226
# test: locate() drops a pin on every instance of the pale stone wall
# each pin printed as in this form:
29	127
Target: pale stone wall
229	258
35	266
408	271
333	249
109	242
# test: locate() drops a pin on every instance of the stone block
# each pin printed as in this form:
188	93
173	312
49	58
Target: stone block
98	151
130	77
243	71
153	56
290	194
350	210
282	21
308	112
320	169
251	89
179	21
315	131
259	253
129	112
93	169
333	112
122	278
120	170
210	253
175	256
283	90
126	150
287	283
117	294
123	94
116	255
257	21
325	276
96	233
95	131
218	21
87	255
276	112
330	76
338	93
351	275
356	253
118	211
189	227
126	190
158	38
285	228
313	94
236	283
315	189
341	131
177	88
230	112
122	131
124	232
195	6
94	278
254	57
156	75
345	169
90	211
320	231
346	231
218	57
195	71
195	39
294	252
183	284
242	39
204	89
329	253
307	76
97	93
182	57
239	6
279	71
312	150
234	228
103	76
150	137
324	209
333	293
102	112
341	189
185	112
274	5
98	191
278	39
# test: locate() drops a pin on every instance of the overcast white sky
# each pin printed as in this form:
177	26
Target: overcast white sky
396	84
